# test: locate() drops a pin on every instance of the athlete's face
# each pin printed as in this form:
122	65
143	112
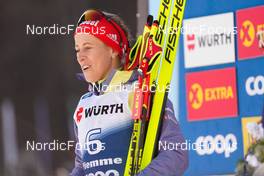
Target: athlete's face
94	57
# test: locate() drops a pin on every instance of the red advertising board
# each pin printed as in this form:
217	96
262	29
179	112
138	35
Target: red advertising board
250	29
211	94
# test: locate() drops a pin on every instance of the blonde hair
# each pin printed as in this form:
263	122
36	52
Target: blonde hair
119	21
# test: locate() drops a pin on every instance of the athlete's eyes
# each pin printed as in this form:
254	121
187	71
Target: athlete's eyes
77	50
87	47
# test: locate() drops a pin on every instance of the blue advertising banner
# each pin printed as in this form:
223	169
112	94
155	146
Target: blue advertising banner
251	86
218	146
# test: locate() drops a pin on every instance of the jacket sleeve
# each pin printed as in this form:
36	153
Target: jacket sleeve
78	169
172	161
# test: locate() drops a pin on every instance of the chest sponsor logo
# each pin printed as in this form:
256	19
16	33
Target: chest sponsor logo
98	110
79	114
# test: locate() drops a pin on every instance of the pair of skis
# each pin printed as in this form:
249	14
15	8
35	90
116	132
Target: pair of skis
155	68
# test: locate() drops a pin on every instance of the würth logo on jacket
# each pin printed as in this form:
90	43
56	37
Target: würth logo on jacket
79	114
104	110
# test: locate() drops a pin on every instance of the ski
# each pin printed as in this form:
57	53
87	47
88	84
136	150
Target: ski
163	79
156	70
136	56
148	67
142	100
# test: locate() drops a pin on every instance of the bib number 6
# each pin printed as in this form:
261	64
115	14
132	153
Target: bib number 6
92	144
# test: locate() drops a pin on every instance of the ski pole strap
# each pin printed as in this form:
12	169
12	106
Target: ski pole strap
134	55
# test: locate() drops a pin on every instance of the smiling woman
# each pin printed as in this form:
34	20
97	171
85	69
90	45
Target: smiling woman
102	119
95	57
110	46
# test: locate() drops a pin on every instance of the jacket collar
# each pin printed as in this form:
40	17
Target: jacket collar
115	77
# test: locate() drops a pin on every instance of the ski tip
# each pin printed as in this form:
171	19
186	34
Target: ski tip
149	20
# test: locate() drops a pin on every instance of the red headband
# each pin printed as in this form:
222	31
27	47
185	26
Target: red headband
108	32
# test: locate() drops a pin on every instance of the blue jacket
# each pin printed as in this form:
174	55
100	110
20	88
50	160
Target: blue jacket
103	118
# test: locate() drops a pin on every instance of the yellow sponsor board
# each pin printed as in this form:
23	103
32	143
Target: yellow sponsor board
247	139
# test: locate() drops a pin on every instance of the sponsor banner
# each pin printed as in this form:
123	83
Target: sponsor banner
251	87
220	142
247	138
211	94
250	27
209	40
